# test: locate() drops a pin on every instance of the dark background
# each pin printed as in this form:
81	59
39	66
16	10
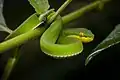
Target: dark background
35	65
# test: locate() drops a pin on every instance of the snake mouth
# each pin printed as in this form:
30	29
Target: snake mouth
86	39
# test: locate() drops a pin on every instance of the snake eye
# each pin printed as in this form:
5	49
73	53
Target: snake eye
81	34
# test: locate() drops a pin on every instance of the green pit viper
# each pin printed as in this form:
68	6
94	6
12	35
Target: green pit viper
56	41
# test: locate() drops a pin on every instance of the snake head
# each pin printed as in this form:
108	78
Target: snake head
86	35
81	34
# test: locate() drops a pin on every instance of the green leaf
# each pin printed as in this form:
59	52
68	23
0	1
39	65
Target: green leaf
112	39
29	24
40	6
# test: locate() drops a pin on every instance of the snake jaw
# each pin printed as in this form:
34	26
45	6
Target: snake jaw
86	39
82	38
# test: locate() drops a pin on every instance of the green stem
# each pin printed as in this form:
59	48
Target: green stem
8	68
17	41
76	14
10	64
59	11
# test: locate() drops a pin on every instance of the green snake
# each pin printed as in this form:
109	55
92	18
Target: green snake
56	41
